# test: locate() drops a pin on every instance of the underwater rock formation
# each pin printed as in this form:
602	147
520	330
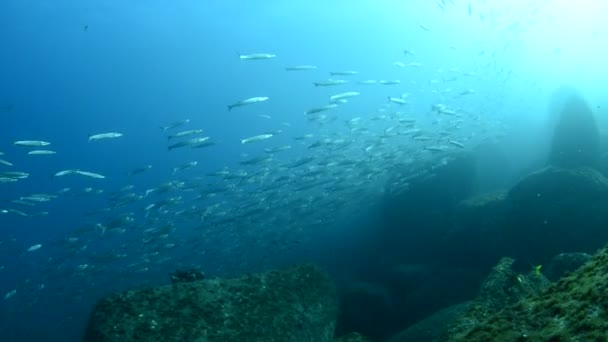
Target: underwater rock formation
352	337
431	328
556	210
576	139
573	309
295	304
502	287
565	263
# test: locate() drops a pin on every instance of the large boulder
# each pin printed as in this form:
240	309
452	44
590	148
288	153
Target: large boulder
556	210
294	304
573	309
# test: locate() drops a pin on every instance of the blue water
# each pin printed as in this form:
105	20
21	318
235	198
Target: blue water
70	69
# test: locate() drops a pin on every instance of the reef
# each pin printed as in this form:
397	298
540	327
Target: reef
293	304
573	309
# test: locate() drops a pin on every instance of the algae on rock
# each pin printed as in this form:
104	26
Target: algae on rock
295	304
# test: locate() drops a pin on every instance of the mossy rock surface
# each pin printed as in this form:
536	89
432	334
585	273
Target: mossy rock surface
573	309
294	304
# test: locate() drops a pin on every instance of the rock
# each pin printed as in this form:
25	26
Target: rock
431	328
576	139
565	263
475	237
502	287
556	210
366	307
353	337
573	309
294	304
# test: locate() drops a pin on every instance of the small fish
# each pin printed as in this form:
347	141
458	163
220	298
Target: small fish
191	142
185	133
4	162
100	136
368	82
202	144
41	152
320	109
344	95
64	173
415	64
301	68
10	294
89	174
185	166
256	138
435	148
257	56
408	52
456	143
470	10
399	64
397	100
329	83
390	82
34	247
31	143
6	211
424	27
175	125
248	101
344	73
140	170
264	116
14	174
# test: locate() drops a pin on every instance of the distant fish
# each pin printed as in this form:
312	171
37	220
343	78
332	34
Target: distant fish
415	64
264	116
100	136
397	100
408	52
185	133
4	162
256	138
89	174
320	109
368	82
390	82
41	152
175	125
257	56
470	9
64	173
79	172
185	166
399	64
34	248
248	101
424	27
10	294
301	68
14	174
346	95
329	83
190	142
140	170
344	73
31	143
456	143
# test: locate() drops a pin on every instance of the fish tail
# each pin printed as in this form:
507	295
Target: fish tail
230	107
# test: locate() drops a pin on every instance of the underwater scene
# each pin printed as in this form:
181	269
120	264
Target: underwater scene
303	171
